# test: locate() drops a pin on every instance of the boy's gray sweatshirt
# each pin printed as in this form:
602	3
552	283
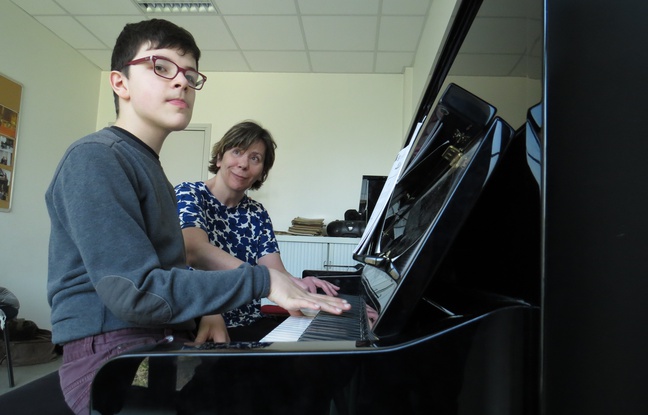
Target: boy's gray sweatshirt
116	253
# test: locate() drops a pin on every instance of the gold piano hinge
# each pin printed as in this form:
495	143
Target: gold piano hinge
453	155
390	269
460	138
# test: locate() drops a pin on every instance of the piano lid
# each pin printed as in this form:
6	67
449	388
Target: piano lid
486	77
437	162
419	227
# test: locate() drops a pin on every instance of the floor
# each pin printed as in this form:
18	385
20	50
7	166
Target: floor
25	374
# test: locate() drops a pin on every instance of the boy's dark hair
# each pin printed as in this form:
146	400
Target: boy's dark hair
159	34
242	136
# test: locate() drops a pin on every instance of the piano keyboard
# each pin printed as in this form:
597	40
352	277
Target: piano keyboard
350	325
289	330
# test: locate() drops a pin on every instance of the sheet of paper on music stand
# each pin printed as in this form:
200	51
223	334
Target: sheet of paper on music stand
385	194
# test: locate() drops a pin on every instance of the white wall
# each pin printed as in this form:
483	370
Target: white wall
59	104
435	29
330	129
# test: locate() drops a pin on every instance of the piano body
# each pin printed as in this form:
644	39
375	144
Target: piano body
451	264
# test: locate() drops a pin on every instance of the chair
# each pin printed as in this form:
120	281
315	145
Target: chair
9	306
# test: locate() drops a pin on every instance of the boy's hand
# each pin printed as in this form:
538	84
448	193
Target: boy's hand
212	329
288	295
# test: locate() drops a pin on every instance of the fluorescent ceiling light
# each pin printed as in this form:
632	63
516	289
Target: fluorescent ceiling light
163	6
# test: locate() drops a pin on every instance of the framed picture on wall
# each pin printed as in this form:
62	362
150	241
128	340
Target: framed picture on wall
10	95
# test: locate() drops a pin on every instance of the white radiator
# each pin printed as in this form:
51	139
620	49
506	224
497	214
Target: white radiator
298	256
340	257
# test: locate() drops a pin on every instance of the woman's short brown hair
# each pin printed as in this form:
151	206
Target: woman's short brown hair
243	135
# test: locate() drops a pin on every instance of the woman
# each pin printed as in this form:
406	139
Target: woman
223	227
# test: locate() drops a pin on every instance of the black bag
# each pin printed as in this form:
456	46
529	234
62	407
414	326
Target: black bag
30	345
21	329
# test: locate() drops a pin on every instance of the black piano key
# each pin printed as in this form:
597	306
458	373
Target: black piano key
350	325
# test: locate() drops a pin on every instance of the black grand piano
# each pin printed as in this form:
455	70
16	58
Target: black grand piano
451	265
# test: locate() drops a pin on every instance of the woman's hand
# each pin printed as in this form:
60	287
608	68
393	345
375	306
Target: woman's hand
372	316
311	284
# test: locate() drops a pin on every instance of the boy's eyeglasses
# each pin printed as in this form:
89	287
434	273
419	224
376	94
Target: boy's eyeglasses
168	69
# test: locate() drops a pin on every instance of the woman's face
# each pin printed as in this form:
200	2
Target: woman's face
239	168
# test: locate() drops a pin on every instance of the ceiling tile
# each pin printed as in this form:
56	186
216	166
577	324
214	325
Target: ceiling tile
409	7
258	35
210	32
266	32
41	7
345	33
71	32
339	7
223	62
259	7
99	7
107	28
278	61
342	62
400	33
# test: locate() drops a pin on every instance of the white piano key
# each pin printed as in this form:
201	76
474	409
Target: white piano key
289	330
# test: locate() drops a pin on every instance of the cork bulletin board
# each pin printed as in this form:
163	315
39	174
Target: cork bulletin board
10	94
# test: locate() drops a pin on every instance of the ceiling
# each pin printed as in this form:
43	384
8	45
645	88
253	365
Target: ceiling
332	36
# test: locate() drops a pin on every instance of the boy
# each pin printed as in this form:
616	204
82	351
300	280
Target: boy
117	275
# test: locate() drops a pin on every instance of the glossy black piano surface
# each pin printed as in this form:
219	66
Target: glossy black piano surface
456	368
466	344
452	265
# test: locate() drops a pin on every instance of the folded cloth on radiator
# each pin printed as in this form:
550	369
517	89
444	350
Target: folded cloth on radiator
306	226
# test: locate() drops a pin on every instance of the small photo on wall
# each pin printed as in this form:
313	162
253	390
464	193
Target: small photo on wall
8	121
6	151
5	184
10	99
